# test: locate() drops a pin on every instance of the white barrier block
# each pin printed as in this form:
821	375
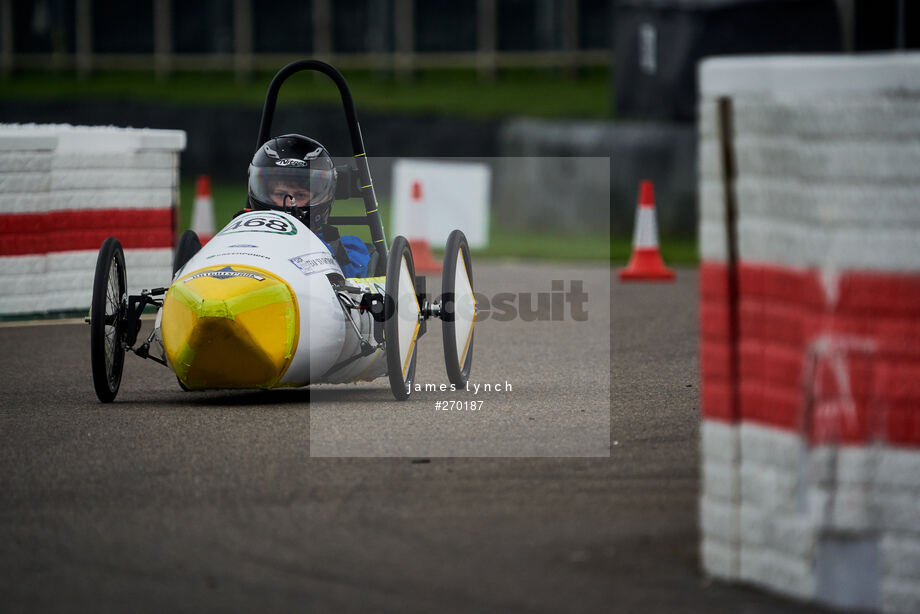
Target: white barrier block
91	179
773	489
141	160
148	268
720	480
719	441
771	447
23	303
710	160
67	300
897	509
894	249
25	161
782	157
75	270
843	508
13	139
853	509
68	262
791	534
25	182
712	201
796	77
713	241
752	562
861	116
850	465
720	559
70	281
899	467
116	198
900	596
22	265
869	205
752	525
17	285
107	138
154	259
900	556
788	574
719	519
25	202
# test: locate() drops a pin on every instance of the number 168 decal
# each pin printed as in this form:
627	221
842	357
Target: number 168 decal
264	221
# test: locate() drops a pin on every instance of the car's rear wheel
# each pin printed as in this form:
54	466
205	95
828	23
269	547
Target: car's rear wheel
107	320
403	324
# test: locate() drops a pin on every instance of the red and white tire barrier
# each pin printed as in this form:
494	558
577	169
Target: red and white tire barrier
63	190
810	354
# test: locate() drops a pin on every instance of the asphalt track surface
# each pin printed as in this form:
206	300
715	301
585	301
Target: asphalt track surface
170	501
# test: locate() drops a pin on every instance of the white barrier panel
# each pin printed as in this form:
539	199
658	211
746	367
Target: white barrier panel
432	198
63	190
811	405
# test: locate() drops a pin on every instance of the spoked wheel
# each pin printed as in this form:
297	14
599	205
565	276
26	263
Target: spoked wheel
402	325
189	244
107	320
458	309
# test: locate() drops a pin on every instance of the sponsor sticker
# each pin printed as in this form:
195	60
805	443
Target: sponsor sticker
225	254
227	273
315	262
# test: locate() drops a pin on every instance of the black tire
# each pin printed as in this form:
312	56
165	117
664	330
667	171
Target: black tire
107	320
400	384
456	247
188	245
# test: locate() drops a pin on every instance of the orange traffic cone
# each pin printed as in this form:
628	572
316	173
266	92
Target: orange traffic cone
645	262
203	209
421	249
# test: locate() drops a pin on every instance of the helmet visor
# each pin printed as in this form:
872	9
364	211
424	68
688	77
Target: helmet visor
285	186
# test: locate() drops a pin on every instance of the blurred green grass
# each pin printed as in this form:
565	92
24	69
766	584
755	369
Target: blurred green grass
528	92
504	242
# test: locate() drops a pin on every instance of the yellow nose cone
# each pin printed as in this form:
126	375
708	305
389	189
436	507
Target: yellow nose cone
229	327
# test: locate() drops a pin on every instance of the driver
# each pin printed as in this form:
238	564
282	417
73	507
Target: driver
295	174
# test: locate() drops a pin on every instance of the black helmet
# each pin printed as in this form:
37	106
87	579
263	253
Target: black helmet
295	174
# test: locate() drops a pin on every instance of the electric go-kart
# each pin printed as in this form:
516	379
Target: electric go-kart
264	304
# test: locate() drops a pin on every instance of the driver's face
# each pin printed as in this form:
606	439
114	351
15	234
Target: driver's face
282	193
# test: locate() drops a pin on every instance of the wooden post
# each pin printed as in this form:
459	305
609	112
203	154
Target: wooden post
242	38
846	10
6	37
729	177
322	29
486	39
162	38
84	38
570	37
405	39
